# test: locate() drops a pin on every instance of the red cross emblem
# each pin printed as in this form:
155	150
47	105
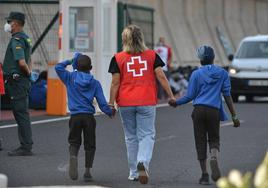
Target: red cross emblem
136	66
159	51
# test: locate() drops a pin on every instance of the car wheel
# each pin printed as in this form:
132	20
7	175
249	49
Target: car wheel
249	98
235	97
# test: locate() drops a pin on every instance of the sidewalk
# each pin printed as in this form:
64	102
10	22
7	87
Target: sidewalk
6	115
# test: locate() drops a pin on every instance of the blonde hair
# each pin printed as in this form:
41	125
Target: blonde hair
133	40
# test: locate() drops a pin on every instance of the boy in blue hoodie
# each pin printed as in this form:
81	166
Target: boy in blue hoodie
205	89
82	88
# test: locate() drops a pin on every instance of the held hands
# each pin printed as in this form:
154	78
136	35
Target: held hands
236	121
172	102
113	110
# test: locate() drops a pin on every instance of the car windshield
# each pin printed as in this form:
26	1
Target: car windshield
257	49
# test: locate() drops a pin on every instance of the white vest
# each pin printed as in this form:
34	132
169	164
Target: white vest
162	51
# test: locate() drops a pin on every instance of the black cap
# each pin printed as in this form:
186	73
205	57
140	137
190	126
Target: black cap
16	16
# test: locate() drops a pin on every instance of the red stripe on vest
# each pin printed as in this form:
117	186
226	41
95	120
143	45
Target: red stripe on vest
2	87
137	79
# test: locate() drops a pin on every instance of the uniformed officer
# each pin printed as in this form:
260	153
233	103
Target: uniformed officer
17	74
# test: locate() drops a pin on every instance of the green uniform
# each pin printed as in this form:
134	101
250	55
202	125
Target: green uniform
19	48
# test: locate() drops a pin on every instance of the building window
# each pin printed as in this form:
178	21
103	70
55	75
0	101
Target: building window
81	21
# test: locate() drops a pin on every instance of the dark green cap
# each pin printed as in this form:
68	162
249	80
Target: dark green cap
16	16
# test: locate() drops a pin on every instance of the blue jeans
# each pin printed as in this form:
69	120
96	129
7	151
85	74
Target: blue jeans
139	129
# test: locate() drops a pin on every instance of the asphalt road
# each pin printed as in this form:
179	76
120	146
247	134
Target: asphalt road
174	161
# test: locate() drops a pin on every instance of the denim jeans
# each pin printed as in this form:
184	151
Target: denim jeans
139	129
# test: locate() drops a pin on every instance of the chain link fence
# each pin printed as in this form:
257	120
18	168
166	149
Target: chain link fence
38	16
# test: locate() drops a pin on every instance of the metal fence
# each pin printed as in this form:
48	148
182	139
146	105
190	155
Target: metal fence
38	16
138	15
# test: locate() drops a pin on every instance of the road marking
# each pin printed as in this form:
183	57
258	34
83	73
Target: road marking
230	123
165	138
58	119
162	105
63	167
37	122
66	118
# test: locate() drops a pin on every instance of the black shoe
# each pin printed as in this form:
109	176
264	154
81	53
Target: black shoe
87	176
73	173
20	152
143	174
1	145
215	171
204	180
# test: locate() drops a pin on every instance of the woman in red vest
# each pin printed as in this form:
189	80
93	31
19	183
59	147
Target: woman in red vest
134	72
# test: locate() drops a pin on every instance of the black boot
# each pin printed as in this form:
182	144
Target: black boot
1	144
87	175
20	152
204	180
73	163
215	170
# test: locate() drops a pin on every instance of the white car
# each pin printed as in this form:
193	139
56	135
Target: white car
249	68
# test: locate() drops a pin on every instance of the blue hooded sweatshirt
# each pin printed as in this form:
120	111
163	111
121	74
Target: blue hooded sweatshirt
206	87
81	90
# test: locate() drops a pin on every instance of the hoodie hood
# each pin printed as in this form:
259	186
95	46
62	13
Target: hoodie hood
82	81
211	73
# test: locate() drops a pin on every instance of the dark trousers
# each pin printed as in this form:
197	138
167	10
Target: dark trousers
18	91
85	123
22	117
206	121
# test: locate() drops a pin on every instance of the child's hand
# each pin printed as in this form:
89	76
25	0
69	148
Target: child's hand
172	102
75	59
113	110
236	121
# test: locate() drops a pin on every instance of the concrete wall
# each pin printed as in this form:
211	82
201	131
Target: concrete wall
179	29
186	24
262	16
214	18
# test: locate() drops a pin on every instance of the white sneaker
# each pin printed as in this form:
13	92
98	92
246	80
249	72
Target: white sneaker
131	178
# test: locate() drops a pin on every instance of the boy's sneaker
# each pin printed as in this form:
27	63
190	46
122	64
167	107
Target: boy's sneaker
143	174
131	178
73	173
204	180
87	176
20	152
215	171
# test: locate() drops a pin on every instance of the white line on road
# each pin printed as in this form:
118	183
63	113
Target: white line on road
165	138
230	123
37	122
63	167
66	118
57	119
